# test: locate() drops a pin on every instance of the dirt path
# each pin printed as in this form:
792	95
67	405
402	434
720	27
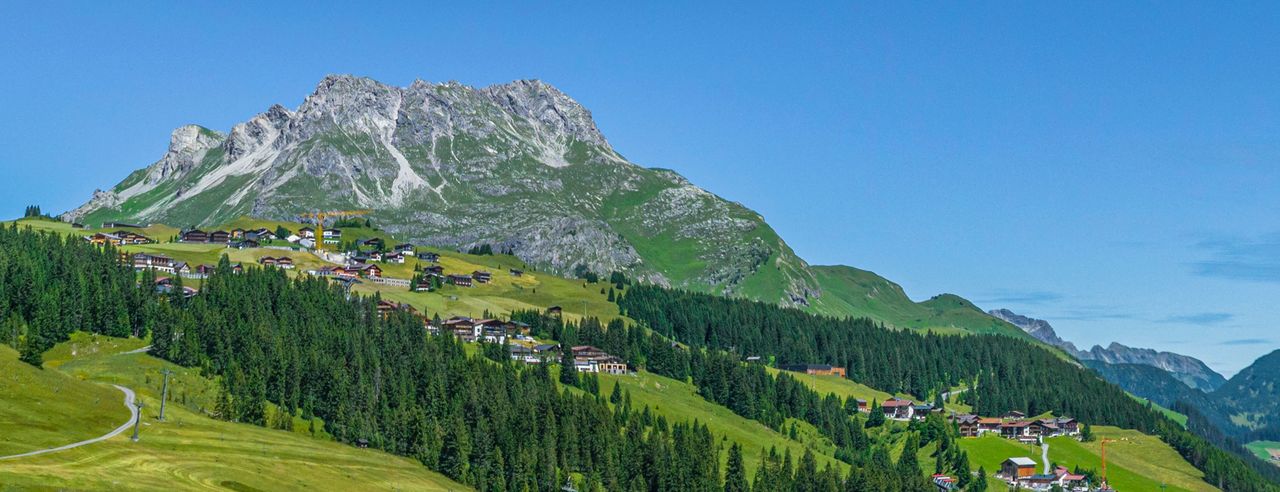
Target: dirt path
133	414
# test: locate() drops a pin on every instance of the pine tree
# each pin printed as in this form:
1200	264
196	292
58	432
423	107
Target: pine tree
568	370
980	482
735	474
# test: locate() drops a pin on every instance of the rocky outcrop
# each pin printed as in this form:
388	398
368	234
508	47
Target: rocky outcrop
1037	328
520	166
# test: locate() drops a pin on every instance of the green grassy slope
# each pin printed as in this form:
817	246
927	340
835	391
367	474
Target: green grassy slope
1135	461
45	408
188	451
680	401
1260	448
848	291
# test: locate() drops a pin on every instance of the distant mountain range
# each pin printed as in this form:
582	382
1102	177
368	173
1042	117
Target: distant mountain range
1190	370
1246	407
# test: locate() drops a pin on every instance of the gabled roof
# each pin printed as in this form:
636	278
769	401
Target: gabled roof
1021	461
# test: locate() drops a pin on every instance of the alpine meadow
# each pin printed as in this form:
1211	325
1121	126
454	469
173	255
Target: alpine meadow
397	284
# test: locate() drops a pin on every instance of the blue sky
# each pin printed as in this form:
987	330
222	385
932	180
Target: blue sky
1113	169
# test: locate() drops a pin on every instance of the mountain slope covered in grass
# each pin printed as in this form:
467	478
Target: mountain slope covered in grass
71	400
848	291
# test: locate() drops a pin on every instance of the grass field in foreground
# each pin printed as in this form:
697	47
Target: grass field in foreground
1135	461
680	402
188	451
45	408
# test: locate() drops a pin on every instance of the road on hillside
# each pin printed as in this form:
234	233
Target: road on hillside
133	414
946	395
1044	456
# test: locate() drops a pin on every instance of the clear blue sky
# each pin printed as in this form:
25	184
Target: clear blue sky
1113	169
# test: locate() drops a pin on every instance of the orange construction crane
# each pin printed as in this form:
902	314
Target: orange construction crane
321	216
1104	442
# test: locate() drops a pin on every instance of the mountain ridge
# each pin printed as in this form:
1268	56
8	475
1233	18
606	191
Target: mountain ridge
1189	370
519	166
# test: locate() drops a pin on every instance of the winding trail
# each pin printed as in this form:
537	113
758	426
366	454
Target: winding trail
133	414
1044	456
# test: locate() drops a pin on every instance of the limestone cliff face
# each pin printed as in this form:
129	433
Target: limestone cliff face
520	166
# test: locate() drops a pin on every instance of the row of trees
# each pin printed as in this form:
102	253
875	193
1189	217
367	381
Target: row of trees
51	285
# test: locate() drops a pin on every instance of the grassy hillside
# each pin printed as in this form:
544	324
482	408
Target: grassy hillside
680	401
1260	448
46	408
1135	461
188	451
848	291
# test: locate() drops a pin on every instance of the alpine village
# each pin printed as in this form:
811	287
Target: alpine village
666	340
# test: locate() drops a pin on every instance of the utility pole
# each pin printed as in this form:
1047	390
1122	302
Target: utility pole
164	393
137	403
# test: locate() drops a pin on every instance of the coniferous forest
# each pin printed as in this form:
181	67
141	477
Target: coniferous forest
1005	373
303	345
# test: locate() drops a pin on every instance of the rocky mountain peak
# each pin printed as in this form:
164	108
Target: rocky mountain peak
537	100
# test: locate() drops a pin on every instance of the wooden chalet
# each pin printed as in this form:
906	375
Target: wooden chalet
591	359
237	233
1016	468
428	256
194	236
482	276
219	237
404	248
897	409
434	270
517	273
102	238
368	270
385	308
459	280
260	234
967	424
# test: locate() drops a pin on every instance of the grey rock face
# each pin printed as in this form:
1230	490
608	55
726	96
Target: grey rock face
519	166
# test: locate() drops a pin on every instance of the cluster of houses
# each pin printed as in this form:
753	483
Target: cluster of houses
429	274
284	262
1015	425
1021	472
237	235
351	271
586	358
118	238
165	264
904	410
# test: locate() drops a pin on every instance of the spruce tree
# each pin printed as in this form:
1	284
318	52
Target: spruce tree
735	473
568	370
